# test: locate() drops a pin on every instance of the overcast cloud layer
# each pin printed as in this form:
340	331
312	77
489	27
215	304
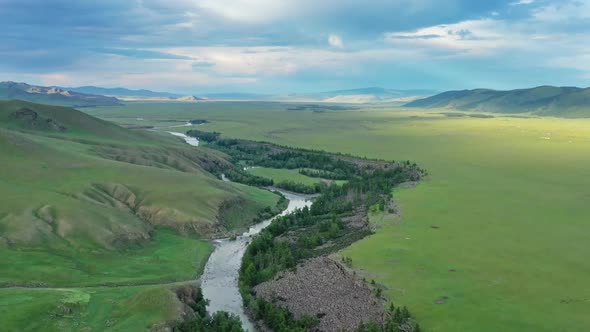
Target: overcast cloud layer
277	46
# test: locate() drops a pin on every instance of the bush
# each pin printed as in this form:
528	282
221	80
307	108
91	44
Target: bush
203	135
221	321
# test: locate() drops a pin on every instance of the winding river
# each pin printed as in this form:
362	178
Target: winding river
188	139
220	279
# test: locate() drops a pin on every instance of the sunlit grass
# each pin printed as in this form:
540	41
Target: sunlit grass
509	197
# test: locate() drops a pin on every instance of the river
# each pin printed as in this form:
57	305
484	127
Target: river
220	279
188	139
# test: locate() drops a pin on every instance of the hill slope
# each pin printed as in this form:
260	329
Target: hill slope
71	180
52	95
86	203
47	119
543	100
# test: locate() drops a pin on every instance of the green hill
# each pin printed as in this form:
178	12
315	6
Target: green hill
86	203
51	120
52	95
543	100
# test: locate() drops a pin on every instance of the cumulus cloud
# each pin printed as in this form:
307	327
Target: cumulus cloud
474	38
280	60
551	37
171	44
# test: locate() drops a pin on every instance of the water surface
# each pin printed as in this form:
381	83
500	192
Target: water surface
220	278
188	139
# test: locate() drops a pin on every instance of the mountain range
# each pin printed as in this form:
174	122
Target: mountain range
363	95
99	96
53	95
84	96
542	100
123	92
371	94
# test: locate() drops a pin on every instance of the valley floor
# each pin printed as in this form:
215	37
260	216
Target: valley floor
495	239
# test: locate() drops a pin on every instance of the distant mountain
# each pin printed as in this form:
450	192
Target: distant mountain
190	99
365	95
52	95
362	95
123	92
381	92
236	96
542	100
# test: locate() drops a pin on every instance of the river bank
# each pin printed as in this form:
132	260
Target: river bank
219	281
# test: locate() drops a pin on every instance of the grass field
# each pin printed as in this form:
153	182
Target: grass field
106	208
168	257
280	175
509	197
87	309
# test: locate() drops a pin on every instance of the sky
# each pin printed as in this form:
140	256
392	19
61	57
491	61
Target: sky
295	46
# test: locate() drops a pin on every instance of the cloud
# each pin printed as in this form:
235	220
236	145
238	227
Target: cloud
250	11
566	13
141	54
335	41
281	61
553	36
522	2
256	44
468	38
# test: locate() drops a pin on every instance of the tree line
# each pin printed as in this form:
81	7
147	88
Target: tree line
369	183
200	320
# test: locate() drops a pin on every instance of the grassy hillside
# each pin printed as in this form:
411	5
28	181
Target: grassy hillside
494	240
63	123
134	308
86	203
543	100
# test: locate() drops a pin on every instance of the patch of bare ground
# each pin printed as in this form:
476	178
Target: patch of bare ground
323	288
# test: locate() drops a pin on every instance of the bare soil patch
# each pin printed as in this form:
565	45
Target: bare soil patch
322	288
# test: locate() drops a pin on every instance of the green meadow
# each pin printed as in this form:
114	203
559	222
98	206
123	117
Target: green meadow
136	308
496	238
96	221
280	175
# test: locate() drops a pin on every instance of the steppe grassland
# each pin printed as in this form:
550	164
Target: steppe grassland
508	198
67	251
279	175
